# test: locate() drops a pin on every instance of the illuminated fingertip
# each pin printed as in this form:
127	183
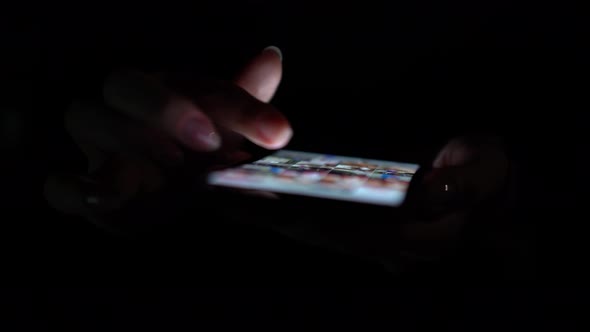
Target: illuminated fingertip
280	140
273	129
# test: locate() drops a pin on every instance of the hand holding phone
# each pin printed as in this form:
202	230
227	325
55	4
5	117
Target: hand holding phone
437	201
134	143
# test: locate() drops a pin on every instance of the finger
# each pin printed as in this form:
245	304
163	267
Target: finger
79	195
262	76
233	108
458	186
97	129
116	182
145	99
462	150
128	176
73	123
454	153
466	171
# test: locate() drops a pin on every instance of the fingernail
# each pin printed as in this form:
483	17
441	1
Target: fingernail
276	50
274	129
199	134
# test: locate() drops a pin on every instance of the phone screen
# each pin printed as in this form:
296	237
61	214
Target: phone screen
321	175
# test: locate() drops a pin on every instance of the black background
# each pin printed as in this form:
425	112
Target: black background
383	79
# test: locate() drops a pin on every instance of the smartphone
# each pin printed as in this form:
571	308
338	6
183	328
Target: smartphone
322	176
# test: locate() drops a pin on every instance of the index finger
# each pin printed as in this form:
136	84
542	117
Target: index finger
262	75
143	98
233	108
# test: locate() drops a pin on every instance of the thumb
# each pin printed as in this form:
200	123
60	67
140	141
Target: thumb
463	185
449	185
468	168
